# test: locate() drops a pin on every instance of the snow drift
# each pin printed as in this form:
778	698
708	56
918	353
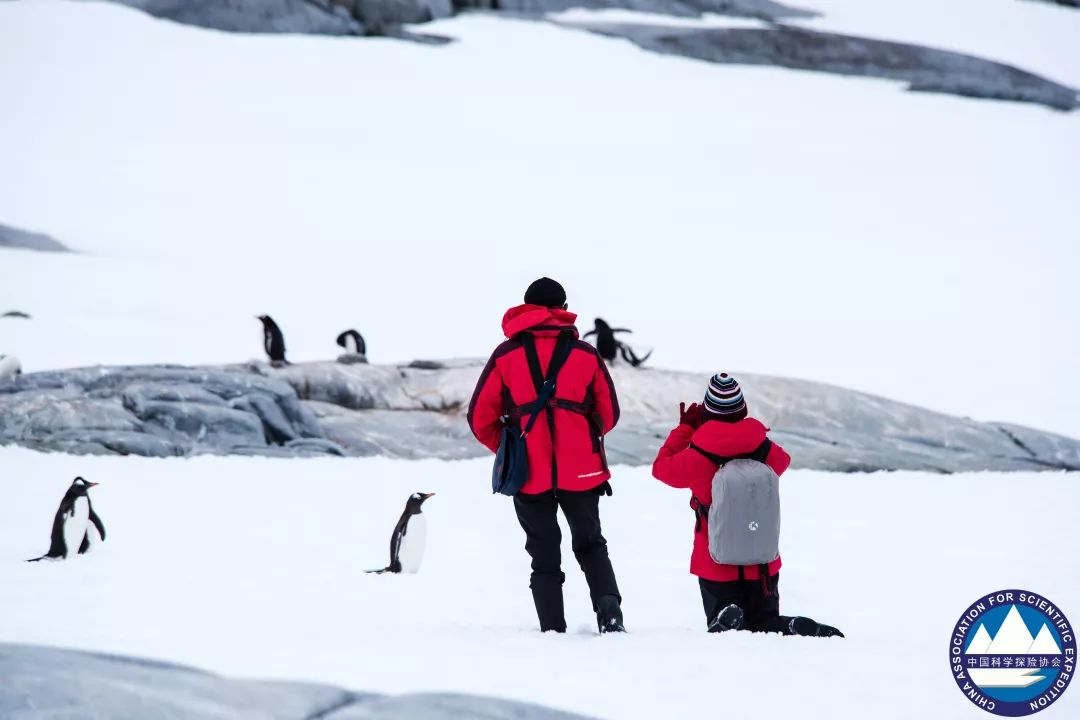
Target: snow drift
417	411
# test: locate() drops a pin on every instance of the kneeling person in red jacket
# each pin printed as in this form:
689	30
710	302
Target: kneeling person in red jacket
735	597
565	449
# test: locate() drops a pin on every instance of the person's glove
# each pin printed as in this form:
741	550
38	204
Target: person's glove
690	415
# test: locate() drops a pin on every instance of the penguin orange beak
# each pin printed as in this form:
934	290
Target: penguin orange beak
427	495
90	484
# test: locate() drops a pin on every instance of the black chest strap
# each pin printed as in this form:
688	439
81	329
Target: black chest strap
760	453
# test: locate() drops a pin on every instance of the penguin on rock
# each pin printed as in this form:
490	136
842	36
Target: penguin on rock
355	355
76	527
407	541
273	341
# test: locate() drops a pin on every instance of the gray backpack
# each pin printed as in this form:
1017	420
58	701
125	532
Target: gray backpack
744	518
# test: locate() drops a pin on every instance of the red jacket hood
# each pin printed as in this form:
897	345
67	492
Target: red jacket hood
728	439
524	317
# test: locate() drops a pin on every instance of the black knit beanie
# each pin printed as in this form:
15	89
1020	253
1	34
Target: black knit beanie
546	292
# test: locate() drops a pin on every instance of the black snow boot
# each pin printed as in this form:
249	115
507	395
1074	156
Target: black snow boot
811	628
548	598
730	618
609	614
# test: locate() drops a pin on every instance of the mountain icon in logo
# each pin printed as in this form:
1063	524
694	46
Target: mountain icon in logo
1013	639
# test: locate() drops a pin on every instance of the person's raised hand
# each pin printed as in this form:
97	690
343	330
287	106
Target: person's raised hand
690	415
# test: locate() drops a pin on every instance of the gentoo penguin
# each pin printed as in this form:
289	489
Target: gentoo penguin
359	346
9	367
273	341
407	542
608	347
71	531
358	354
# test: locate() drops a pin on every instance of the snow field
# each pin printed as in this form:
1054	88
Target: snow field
254	567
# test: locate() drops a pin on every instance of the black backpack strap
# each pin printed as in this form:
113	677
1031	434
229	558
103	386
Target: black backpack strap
529	343
760	453
545	386
559	355
701	510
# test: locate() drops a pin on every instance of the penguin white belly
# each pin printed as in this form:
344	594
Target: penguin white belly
75	527
411	552
93	537
9	366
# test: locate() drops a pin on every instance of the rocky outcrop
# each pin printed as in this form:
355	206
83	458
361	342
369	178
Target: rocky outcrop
14	238
316	17
44	682
254	16
417	411
756	9
923	69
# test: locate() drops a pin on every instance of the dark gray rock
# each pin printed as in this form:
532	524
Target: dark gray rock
351	358
40	683
14	238
205	424
924	69
177	411
756	9
381	16
253	16
1064	3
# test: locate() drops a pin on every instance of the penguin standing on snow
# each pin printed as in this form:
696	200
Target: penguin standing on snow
273	341
76	527
407	542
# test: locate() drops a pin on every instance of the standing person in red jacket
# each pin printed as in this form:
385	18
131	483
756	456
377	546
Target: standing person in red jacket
735	597
565	449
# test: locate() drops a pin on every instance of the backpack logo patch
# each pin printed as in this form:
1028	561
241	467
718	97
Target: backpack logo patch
753	526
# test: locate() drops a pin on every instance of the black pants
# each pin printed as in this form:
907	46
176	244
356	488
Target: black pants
760	602
537	515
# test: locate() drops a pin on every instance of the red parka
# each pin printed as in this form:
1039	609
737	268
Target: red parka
505	383
680	466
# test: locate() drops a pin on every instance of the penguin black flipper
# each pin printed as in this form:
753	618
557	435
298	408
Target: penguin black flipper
591	332
85	544
97	522
622	330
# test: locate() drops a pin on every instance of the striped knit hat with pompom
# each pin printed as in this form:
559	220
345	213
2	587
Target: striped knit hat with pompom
724	399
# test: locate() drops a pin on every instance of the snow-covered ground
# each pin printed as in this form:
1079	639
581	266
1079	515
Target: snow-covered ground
254	568
838	229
